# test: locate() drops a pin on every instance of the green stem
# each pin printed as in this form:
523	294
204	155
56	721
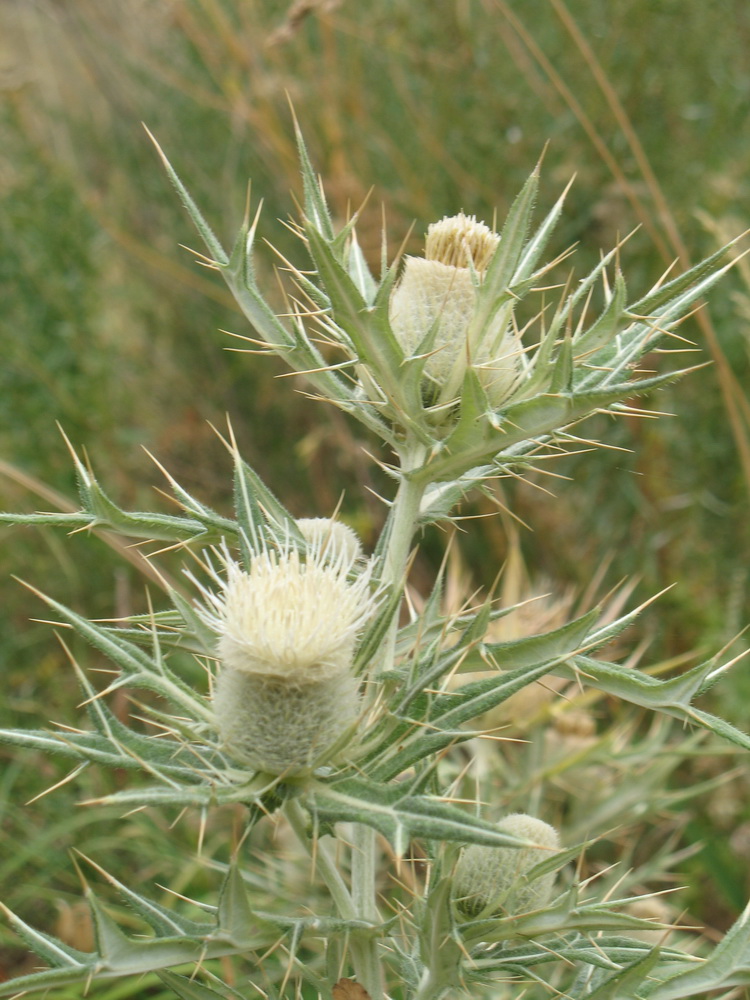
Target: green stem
428	989
364	869
323	861
402	523
363	951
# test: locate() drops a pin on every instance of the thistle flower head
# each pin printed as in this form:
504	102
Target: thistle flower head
290	618
286	698
432	311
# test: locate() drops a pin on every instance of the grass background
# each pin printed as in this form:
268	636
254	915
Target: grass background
113	331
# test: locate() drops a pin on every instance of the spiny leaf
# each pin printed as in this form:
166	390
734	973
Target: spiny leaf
666	293
52	950
114	947
648	692
535	246
563	915
176	761
727	965
164	922
235	915
214	247
315	205
136	665
626	983
534	649
607	325
190	989
360	272
400	816
562	373
260	514
367	327
508	257
72	521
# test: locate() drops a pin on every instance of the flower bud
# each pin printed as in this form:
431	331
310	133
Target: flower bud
333	539
285	694
437	295
492	880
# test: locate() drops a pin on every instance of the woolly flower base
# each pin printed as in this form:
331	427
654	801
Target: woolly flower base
281	728
434	296
492	880
290	618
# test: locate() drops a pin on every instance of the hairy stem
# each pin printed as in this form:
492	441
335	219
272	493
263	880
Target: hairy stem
365	954
428	989
401	525
323	861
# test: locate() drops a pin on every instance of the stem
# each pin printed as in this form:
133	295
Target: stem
365	952
404	515
428	988
323	861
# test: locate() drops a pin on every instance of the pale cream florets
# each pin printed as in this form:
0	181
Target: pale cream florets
291	618
457	238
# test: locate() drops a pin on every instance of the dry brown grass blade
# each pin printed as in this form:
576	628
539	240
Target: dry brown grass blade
662	228
736	403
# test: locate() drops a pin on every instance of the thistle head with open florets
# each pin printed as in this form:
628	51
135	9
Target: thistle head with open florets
432	311
287	629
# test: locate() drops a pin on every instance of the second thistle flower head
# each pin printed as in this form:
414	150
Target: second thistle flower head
433	307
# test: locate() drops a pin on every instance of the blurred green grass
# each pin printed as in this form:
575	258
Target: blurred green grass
112	330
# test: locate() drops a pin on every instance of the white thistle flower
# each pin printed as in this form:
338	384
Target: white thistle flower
285	697
438	294
292	618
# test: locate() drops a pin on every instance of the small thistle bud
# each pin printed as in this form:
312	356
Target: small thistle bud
652	908
333	539
285	694
492	880
432	308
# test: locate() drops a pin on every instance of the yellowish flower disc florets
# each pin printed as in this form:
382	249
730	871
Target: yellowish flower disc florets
457	238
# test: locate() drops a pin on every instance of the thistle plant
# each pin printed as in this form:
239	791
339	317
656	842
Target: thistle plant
339	711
